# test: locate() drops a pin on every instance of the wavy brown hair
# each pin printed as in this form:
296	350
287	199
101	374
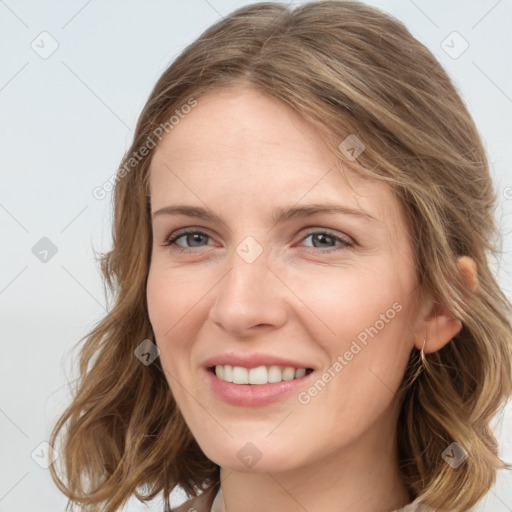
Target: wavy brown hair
346	68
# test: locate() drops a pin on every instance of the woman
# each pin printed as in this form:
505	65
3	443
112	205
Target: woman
250	364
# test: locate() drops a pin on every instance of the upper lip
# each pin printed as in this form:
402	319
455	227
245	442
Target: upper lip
252	360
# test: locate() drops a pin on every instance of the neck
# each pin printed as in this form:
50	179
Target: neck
363	476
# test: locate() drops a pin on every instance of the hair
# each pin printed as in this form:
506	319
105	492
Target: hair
347	69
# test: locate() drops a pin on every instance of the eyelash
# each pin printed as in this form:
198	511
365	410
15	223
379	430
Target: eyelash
171	241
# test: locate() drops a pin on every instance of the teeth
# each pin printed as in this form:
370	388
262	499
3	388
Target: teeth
300	373
288	373
274	374
259	375
240	375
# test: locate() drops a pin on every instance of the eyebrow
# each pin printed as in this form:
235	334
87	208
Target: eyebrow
279	215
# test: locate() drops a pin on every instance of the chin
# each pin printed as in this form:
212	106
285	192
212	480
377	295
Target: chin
257	456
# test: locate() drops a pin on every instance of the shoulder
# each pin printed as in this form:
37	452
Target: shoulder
202	503
418	506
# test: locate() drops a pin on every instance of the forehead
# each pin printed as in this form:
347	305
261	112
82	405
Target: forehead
239	143
240	125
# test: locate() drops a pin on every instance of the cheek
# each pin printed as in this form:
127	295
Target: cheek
167	308
159	301
343	302
363	316
172	300
178	303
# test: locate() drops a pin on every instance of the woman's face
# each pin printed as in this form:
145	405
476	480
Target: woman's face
262	279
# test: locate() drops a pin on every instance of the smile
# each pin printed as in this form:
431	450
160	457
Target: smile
260	375
259	386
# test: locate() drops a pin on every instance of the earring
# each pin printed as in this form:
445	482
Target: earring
422	350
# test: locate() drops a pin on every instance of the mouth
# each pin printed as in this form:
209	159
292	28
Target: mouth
259	375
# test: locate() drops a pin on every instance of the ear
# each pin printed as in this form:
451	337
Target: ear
439	325
468	272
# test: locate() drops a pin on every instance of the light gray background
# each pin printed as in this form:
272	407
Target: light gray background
66	121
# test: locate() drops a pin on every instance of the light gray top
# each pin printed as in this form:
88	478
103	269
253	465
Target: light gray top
199	504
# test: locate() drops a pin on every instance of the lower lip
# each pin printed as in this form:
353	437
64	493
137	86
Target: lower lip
253	395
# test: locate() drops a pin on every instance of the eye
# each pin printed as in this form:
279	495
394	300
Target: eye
194	238
322	237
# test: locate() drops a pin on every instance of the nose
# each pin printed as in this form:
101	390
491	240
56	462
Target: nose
249	298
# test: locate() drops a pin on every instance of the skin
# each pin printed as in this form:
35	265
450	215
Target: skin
240	154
